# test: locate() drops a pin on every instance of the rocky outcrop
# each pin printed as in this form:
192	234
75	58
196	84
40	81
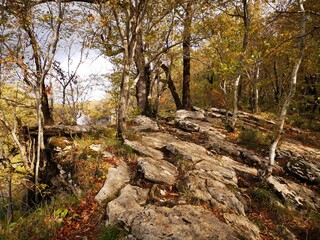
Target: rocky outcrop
305	170
295	194
188	151
154	222
144	150
242	225
173	176
158	171
127	206
180	222
203	186
117	178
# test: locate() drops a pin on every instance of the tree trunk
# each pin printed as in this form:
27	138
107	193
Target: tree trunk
172	87
256	108
143	83
294	74
9	201
124	97
231	124
45	108
186	46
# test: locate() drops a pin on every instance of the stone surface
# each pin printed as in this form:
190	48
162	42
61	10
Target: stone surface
243	226
117	178
187	125
144	150
144	123
157	140
306	170
180	222
189	151
202	185
183	114
238	166
159	171
124	209
296	194
218	171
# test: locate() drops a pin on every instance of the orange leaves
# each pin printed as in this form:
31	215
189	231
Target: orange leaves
80	221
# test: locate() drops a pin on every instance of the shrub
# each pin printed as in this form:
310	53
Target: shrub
254	138
112	232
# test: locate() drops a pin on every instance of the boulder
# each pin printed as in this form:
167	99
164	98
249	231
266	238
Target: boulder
242	226
180	222
124	209
144	123
203	186
144	150
117	178
295	194
158	171
187	125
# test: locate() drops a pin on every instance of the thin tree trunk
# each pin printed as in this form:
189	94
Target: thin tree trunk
294	74
186	46
124	97
231	124
142	90
10	200
172	87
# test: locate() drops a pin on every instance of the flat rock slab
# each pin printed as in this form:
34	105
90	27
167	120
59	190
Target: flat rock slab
238	166
218	171
202	185
296	194
144	150
188	151
184	222
158	140
159	171
243	226
117	178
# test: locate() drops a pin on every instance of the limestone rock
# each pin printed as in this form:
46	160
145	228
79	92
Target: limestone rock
183	114
127	206
238	166
157	140
187	125
203	186
144	150
117	178
219	146
189	151
144	123
306	170
242	226
180	222
296	194
218	171
158	171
